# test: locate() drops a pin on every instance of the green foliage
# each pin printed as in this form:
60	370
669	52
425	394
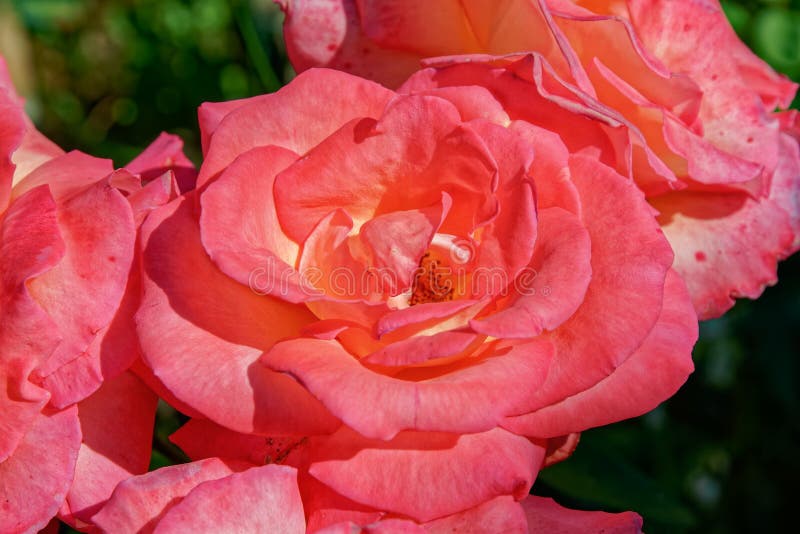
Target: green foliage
113	74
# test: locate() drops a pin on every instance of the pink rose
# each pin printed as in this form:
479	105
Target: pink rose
67	230
406	281
690	106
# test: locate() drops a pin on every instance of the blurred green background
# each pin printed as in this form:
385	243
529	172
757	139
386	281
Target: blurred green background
721	456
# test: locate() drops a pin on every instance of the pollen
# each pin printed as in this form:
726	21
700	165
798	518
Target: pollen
432	282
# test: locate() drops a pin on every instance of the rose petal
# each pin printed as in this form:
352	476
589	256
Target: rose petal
34	480
726	245
445	402
139	502
401	162
296	117
448	473
240	228
501	514
650	376
329	34
629	263
553	286
162	155
260	499
117	427
189	307
545	515
82	293
30	244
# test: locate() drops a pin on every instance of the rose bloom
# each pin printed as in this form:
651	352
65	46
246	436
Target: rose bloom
73	422
690	106
423	299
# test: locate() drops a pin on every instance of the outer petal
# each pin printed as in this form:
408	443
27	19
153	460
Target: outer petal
225	327
297	117
35	479
629	264
12	129
785	186
650	376
437	474
726	245
117	427
67	175
201	438
471	397
162	155
82	293
30	244
139	502
545	515
501	514
328	33
384	526
261	499
22	147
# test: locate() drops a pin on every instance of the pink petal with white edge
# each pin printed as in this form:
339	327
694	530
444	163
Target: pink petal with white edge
190	307
472	397
785	185
426	476
546	515
260	499
726	245
139	502
35	479
650	376
117	427
297	117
